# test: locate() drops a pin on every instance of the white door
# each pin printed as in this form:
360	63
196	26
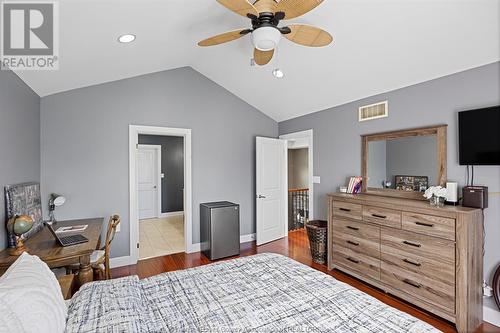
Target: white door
271	190
147	176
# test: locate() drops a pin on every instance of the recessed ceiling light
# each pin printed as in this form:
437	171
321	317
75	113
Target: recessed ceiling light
278	73
128	38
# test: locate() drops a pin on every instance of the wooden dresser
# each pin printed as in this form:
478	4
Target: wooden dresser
428	256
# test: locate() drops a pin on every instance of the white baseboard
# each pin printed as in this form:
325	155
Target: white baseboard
121	261
247	238
491	313
170	214
243	239
127	260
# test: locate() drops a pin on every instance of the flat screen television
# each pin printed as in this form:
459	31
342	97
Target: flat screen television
479	136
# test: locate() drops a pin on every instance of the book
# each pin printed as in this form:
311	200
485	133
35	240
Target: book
73	228
354	186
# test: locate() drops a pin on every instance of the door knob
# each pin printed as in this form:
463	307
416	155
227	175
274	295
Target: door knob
261	196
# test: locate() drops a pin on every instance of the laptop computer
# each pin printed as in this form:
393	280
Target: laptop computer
68	240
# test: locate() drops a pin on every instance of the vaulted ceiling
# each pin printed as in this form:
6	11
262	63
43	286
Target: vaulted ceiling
379	45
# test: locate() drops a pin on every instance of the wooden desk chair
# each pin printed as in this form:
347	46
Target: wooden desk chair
99	259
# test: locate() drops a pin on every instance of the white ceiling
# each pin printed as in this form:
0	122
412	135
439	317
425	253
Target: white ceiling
379	45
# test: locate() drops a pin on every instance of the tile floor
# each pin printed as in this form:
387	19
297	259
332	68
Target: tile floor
161	236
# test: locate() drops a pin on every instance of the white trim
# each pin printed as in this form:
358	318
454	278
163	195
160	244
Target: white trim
491	315
300	136
157	149
134	132
121	261
247	238
127	260
170	214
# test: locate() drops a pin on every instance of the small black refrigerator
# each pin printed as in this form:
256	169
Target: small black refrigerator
220	229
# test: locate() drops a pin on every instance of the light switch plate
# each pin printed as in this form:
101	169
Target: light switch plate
118	227
316	179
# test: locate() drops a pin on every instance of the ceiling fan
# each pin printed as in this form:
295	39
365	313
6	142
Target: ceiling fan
265	16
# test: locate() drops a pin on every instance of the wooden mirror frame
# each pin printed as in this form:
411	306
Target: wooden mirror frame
439	131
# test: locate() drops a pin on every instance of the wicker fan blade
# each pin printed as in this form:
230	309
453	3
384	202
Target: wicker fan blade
262	57
265	6
295	8
240	7
224	38
308	35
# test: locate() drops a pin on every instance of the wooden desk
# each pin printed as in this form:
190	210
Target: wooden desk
44	245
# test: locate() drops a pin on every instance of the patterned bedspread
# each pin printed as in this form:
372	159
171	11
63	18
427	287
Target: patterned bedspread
261	293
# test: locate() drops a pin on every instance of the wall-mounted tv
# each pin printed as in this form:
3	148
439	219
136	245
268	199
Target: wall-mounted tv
479	136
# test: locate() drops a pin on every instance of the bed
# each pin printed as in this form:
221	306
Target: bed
261	293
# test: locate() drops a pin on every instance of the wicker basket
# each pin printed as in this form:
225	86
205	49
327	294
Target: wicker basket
317	233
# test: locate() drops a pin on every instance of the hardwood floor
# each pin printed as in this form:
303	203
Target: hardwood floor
296	246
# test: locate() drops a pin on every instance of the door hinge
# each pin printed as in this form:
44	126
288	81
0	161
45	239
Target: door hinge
137	245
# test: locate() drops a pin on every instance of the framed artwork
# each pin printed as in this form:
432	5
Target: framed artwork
412	183
24	199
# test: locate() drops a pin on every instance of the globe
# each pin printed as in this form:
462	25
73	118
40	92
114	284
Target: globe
22	224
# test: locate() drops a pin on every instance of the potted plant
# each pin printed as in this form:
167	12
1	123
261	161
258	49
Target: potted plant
436	195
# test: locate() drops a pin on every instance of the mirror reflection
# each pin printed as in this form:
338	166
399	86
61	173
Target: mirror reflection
406	164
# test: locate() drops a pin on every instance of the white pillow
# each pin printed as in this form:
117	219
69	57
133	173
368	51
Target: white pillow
31	298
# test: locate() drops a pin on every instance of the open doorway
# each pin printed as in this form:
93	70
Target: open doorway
160	192
300	178
160	186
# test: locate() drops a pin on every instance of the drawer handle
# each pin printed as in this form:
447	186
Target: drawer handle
379	216
352	228
424	224
353	260
352	243
408	261
411	244
413	284
345	209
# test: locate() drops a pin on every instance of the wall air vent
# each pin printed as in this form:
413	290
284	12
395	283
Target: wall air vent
373	111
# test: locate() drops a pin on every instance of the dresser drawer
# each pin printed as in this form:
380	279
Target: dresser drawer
436	293
382	216
357	262
429	225
348	210
359	237
420	265
437	249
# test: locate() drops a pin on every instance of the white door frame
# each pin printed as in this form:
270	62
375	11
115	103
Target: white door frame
157	148
304	139
134	131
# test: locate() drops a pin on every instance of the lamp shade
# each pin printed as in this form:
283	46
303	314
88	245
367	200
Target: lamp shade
266	38
57	199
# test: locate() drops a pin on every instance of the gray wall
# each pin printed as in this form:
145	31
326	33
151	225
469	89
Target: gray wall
377	163
172	167
414	156
337	144
85	144
298	165
19	137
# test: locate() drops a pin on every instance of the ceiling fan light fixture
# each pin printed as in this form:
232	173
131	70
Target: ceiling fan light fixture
266	38
278	73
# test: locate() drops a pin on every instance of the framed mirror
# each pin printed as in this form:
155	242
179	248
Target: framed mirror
404	163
